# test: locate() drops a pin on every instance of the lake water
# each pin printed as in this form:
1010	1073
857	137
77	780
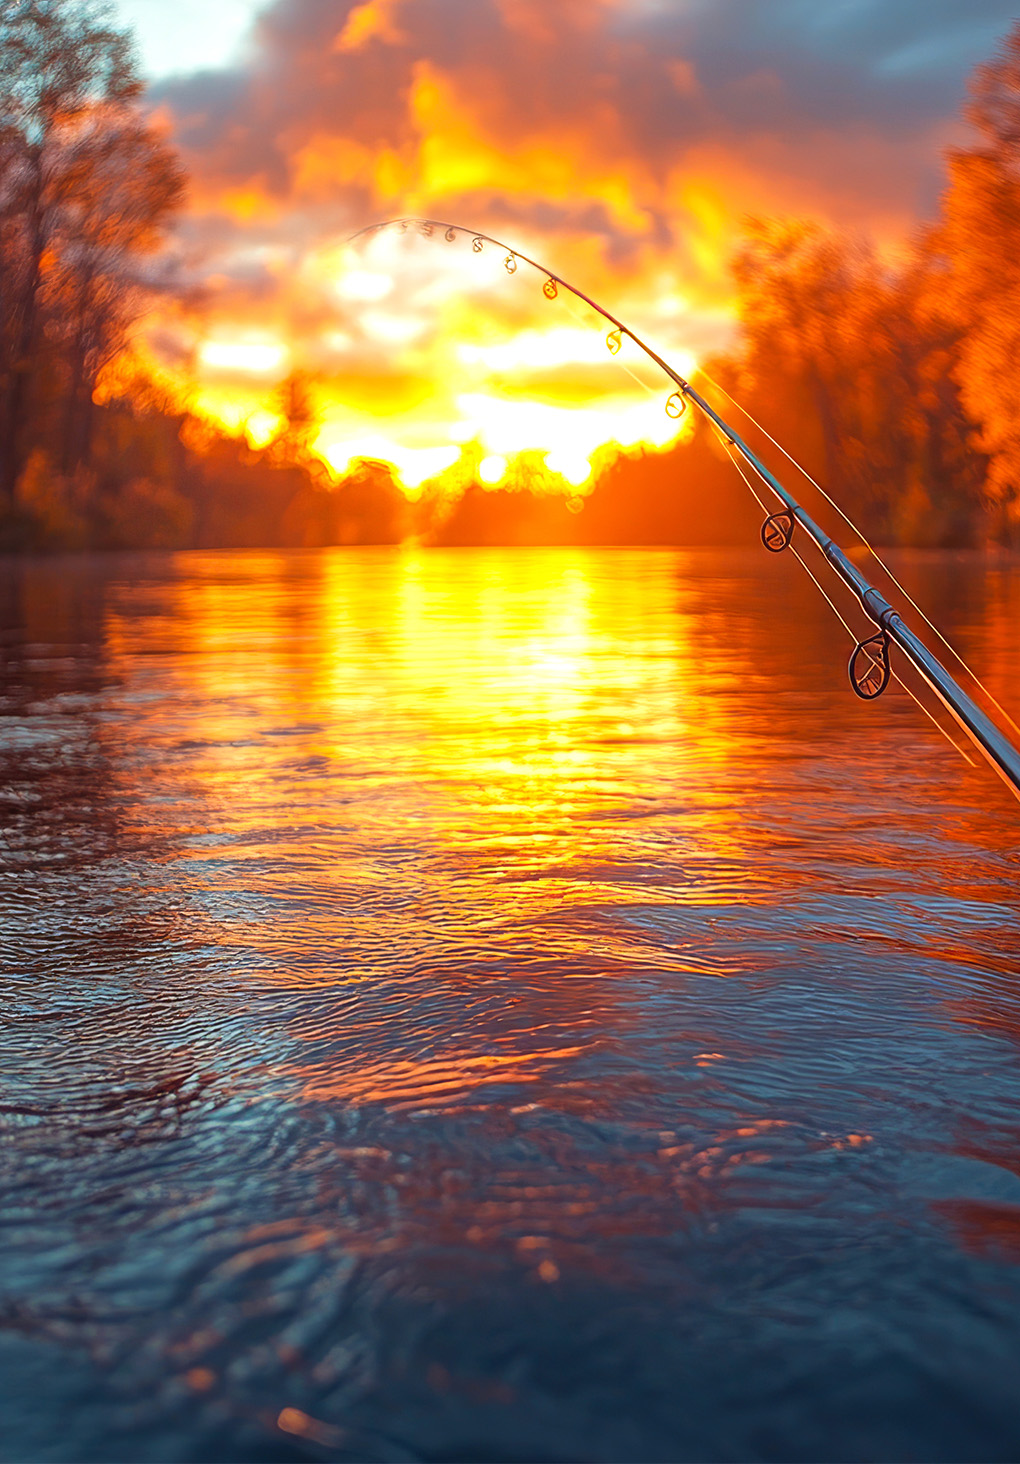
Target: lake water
500	1005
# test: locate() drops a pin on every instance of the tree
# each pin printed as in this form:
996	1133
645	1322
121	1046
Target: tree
86	190
851	359
981	238
796	299
299	414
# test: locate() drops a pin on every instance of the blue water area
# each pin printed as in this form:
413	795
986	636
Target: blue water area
500	1005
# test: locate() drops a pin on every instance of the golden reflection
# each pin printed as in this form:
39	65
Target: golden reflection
492	714
521	767
431	1082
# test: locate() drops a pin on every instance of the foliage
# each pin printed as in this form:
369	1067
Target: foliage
980	237
86	191
51	505
852	361
893	380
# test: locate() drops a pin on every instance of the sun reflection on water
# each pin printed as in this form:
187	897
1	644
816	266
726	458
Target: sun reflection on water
455	761
429	959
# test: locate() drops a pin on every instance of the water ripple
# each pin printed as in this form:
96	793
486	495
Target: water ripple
459	1006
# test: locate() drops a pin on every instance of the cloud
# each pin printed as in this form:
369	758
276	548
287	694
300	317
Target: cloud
585	107
621	140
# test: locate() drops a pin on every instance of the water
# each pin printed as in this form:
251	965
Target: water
499	1005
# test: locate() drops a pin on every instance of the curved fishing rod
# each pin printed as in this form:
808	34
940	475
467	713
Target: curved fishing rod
870	669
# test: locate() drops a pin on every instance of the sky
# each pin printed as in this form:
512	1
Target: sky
178	36
620	142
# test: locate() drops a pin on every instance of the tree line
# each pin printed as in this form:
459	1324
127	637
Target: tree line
894	382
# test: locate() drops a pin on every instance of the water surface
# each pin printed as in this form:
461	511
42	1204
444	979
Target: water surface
499	1005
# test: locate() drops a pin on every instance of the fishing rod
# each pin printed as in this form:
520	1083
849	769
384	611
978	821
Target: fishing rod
870	666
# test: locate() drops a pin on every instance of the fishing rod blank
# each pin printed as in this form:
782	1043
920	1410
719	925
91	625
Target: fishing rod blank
870	667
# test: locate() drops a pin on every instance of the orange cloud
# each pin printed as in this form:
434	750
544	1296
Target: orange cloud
620	141
459	155
372	21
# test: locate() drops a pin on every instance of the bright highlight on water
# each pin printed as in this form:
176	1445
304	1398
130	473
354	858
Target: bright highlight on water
870	665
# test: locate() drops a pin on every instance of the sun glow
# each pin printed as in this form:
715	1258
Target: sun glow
574	468
537	350
492	469
261	427
414	465
394	330
251	358
364	284
439	361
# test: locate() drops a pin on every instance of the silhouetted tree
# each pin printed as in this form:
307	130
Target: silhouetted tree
86	188
299	409
368	507
981	237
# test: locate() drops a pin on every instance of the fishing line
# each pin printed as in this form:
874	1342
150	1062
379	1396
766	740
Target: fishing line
871	550
800	559
619	361
778	530
839	615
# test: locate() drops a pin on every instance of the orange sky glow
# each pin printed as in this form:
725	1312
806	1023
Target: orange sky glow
432	358
612	140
